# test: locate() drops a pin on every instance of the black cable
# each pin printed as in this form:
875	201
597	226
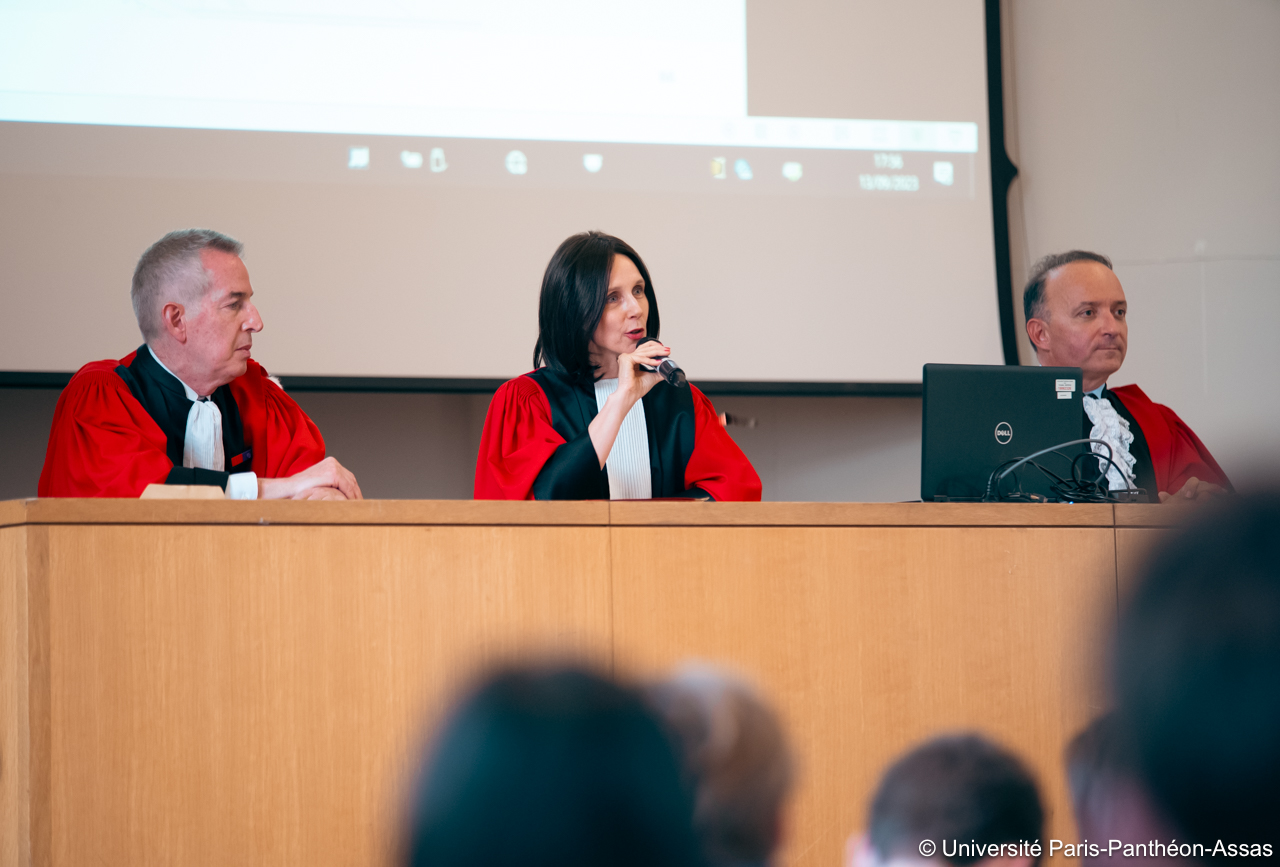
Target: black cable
1076	489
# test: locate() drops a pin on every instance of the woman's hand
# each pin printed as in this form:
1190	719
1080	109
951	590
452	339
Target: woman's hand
634	382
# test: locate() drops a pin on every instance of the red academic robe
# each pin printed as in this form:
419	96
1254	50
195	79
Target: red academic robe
1176	452
528	450
104	444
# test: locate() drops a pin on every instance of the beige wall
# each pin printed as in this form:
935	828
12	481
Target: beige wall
1149	130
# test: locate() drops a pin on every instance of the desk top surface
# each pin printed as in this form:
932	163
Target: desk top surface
583	513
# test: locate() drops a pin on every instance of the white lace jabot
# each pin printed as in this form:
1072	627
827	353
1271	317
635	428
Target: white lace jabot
1111	428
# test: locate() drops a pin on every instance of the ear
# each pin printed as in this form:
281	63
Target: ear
1038	331
174	318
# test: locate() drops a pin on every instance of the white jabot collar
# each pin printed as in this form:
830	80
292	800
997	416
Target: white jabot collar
627	465
1113	429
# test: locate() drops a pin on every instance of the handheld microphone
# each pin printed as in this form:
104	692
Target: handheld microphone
669	370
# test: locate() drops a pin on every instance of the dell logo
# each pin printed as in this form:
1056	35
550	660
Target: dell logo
1004	433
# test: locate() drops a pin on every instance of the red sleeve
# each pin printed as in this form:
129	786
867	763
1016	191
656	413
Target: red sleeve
102	442
1176	451
516	443
283	438
717	465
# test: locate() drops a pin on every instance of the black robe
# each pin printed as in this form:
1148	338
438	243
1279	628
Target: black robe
165	400
1143	470
535	445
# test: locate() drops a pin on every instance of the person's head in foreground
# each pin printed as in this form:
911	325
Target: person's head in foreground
194	304
1108	801
952	791
1077	315
737	755
553	767
597	304
1197	677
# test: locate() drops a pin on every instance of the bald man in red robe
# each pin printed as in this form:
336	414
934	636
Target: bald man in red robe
1077	316
189	406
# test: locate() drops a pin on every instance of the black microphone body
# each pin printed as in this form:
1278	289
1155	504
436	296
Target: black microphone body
668	369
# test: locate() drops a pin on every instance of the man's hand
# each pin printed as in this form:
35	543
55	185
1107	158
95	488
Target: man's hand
326	474
1193	491
321	493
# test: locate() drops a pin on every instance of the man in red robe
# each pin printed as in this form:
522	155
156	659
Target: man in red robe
189	406
1077	317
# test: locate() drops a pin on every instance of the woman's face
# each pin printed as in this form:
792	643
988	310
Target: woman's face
626	310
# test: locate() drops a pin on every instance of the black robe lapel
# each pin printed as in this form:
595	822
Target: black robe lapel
574	472
165	400
669	415
1143	469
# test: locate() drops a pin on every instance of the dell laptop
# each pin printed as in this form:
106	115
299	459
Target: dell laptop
978	417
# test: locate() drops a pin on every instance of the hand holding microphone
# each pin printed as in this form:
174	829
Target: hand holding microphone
666	367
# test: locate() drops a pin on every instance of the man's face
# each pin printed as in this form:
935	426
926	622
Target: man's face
1085	321
220	336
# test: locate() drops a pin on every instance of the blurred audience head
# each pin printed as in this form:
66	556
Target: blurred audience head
1197	675
736	753
952	790
1108	801
542	767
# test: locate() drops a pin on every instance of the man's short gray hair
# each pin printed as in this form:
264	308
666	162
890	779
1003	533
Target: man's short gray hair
171	270
1033	295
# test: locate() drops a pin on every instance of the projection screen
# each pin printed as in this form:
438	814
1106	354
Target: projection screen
807	181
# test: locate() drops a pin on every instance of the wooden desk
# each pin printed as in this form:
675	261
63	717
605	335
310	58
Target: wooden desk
238	682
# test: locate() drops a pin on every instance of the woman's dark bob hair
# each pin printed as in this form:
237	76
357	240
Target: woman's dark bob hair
574	289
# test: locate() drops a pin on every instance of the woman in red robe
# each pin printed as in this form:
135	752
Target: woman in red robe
594	421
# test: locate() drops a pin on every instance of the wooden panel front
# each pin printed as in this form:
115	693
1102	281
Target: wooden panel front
14	733
251	683
257	695
870	639
695	513
278	512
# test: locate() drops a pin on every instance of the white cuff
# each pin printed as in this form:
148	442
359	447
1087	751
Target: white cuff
242	486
